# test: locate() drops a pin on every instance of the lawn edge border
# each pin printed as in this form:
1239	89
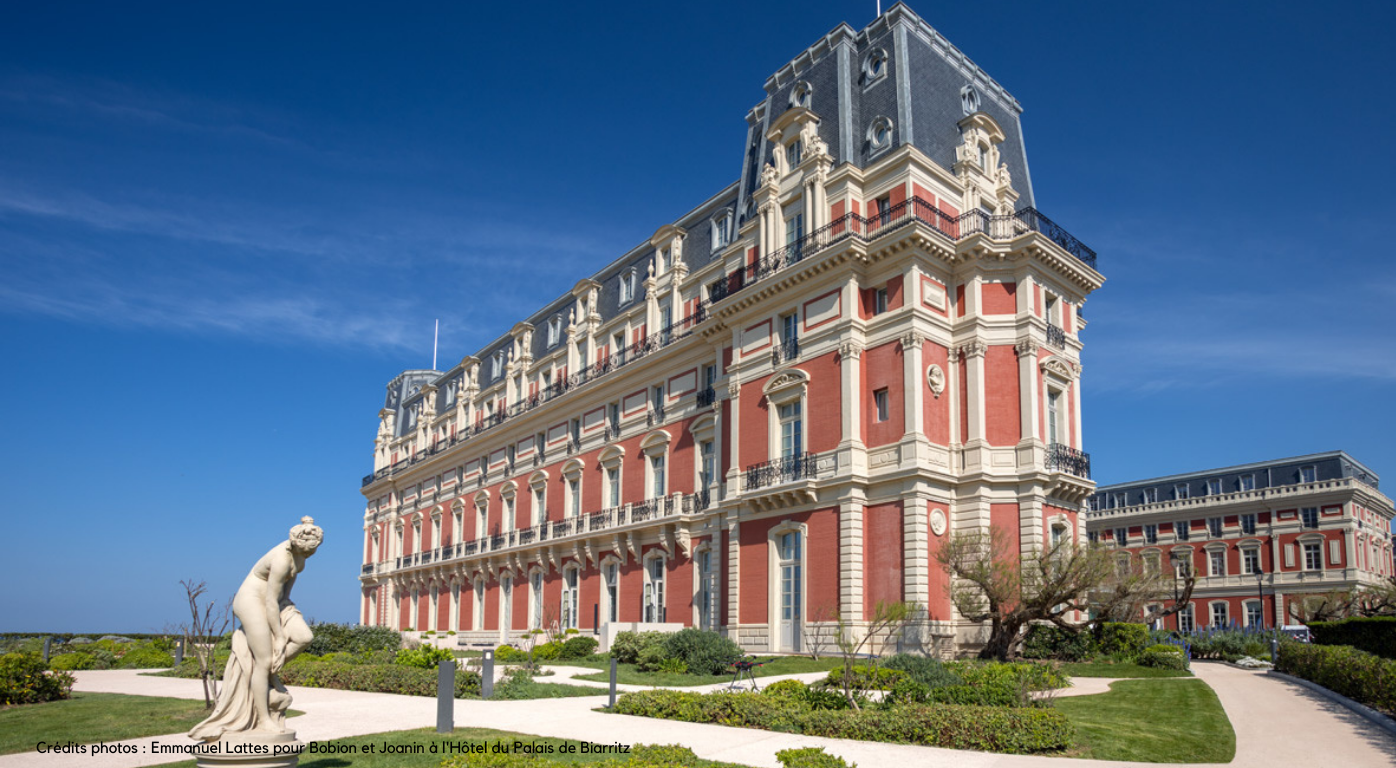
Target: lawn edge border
1377	718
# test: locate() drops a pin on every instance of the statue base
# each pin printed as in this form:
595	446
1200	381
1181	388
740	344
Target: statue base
250	750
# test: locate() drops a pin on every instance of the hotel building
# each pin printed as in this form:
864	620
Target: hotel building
774	410
1258	537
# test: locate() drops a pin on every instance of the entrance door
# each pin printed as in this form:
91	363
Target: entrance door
791	591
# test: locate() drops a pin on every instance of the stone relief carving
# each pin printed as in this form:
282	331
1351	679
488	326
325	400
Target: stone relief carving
938	522
935	379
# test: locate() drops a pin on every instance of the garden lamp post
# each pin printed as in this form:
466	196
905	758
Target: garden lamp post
1260	595
1174	560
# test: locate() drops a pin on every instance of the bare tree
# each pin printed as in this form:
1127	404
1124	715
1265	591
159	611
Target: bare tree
1365	601
887	618
819	633
207	623
996	584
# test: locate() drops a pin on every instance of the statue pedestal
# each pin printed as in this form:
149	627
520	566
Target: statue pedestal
251	750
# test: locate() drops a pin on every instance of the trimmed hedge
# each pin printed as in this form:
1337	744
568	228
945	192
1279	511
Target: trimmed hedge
330	637
1048	641
376	678
810	757
993	729
1358	675
866	678
627	646
1163	657
641	756
1375	635
1123	639
705	652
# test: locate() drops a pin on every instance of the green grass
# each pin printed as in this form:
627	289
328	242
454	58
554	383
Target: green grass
627	674
425	737
1108	669
1152	721
91	717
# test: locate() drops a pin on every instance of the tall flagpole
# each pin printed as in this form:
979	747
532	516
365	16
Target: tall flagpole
435	336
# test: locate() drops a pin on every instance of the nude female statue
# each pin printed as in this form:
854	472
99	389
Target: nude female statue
272	631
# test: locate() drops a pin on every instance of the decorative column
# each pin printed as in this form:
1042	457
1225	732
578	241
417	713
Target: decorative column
734	473
1076	408
916	548
851	509
912	367
734	573
1029	402
850	381
973	353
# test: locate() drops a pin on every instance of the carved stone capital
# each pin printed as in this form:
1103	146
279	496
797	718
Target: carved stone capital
973	349
1026	348
734	389
850	350
912	340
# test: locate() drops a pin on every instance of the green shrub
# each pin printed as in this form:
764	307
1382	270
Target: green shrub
626	646
1163	657
673	666
1123	640
993	729
146	656
820	696
1048	641
67	662
907	691
425	657
25	680
547	651
705	652
785	689
1359	675
663	754
923	669
377	678
330	637
578	647
508	654
1376	635
1256	649
810	757
866	678
651	657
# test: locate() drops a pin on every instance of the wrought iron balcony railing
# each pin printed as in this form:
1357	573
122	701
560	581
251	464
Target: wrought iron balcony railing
1056	336
787	349
782	470
706	397
1069	460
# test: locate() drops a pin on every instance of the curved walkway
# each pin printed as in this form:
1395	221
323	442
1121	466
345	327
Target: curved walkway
1277	723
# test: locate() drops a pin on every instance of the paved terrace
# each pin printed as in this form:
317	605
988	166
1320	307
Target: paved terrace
1277	723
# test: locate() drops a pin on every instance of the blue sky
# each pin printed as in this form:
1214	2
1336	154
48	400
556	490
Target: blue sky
221	235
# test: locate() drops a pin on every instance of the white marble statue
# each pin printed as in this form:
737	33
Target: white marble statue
272	631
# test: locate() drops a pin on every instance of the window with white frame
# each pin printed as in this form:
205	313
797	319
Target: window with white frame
570	596
1151	533
1248	524
880	405
1247	482
1152	563
1255	613
1217	561
1186	619
1150	495
497	365
1059	531
1214	527
653	606
1250	561
1308	474
1313	556
1219	617
793	154
1180	491
481	519
707	467
707	590
535	594
658	480
879	301
611	466
540	502
1056	422
610	578
613	486
721	230
555	330
574	496
508	498
1309	517
791	430
627	286
1121	536
1122	566
457	524
1182	529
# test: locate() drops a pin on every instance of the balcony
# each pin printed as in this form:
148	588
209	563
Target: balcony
787	349
785	469
1056	336
706	397
1064	458
851	226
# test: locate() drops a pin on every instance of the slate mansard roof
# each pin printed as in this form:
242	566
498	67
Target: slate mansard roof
1331	465
925	88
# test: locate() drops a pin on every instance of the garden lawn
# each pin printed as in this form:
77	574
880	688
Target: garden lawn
1108	669
627	674
1152	721
91	717
426	737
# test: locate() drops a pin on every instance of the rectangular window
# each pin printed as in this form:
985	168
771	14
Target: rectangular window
1219	615
795	232
792	154
574	494
1313	556
540	510
1151	563
709	375
1121	536
612	579
1092	537
1151	534
879	301
1247	482
1181	530
1185	619
1214	487
1120	499
1309	515
1054	424
1217	560
791	430
1250	561
1255	614
1214	527
1051	314
613	486
1150	495
789	327
1248	524
654	590
884	209
705	465
880	403
658	487
1180	491
1308	474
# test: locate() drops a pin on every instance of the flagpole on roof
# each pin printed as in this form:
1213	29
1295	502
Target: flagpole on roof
435	336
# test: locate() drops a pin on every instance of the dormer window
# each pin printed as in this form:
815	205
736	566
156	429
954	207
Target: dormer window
554	330
661	261
984	157
874	66
880	134
627	287
792	154
497	365
721	227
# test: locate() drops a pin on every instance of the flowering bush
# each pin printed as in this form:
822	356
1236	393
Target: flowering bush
25	680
